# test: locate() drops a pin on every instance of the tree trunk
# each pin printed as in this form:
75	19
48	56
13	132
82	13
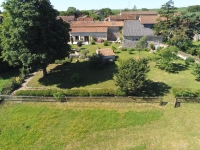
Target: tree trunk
44	69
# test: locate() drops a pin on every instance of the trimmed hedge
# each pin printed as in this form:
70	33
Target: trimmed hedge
185	92
102	92
69	92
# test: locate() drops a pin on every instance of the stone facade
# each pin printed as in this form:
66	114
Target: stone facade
113	33
132	41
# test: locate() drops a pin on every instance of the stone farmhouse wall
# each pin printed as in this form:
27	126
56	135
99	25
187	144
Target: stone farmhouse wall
113	33
81	36
132	41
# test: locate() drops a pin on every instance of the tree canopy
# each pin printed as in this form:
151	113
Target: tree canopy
132	75
30	34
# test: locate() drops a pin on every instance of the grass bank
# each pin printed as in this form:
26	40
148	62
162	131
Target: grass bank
99	126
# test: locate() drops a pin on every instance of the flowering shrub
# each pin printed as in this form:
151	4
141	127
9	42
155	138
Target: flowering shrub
100	40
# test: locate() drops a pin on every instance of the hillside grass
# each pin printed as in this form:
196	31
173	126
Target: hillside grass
122	126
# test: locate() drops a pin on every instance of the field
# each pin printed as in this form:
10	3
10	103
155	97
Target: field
123	126
59	76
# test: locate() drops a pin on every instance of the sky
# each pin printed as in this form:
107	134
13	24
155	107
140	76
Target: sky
62	5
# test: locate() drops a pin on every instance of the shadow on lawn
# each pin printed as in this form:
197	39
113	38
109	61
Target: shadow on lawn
61	75
155	88
177	67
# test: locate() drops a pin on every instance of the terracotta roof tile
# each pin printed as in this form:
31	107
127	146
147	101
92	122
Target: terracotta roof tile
106	52
140	12
148	19
91	29
67	18
84	18
123	17
96	24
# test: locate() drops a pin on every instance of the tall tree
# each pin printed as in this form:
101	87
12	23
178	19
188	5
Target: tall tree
132	75
31	34
105	12
163	27
71	11
195	8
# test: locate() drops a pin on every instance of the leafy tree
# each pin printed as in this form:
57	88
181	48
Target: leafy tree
63	13
165	58
84	12
132	75
163	27
195	8
196	71
105	12
30	34
145	9
71	11
142	44
180	39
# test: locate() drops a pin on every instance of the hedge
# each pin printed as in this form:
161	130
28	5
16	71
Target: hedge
70	92
185	92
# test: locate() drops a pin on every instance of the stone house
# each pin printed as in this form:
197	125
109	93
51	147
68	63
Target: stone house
139	13
106	53
67	18
132	32
84	18
121	17
85	30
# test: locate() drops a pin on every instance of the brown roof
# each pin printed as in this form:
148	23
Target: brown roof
66	18
140	12
91	29
123	17
97	24
148	19
84	18
106	52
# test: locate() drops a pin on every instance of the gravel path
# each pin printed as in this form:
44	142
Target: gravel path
26	81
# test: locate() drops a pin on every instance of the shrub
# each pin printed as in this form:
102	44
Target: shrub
119	92
114	48
100	40
12	85
85	51
152	46
184	92
130	50
75	78
124	49
76	93
96	62
59	96
79	43
93	42
102	92
189	60
105	43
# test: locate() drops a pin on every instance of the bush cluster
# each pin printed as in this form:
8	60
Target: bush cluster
14	83
70	92
185	92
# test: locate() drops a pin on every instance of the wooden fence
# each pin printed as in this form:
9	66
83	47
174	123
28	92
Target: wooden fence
83	99
180	100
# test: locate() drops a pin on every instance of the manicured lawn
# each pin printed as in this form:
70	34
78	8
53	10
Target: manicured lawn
59	76
99	126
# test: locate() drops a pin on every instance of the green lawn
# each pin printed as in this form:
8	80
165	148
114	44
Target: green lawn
6	76
59	76
123	126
